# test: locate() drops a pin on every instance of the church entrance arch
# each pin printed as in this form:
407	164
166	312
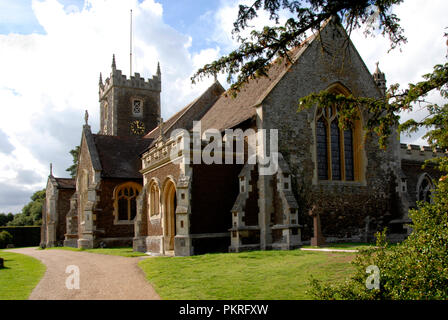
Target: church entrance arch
169	219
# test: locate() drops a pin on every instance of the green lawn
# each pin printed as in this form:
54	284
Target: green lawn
257	275
20	275
345	245
122	251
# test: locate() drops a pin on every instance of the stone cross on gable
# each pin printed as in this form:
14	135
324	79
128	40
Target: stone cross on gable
86	117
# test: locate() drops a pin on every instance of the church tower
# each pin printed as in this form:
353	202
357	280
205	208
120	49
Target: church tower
129	107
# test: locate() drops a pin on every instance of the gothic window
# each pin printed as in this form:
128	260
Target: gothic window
154	200
424	188
334	147
137	107
125	201
322	158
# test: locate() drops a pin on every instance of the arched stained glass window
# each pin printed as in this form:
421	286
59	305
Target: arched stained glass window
322	158
334	147
335	150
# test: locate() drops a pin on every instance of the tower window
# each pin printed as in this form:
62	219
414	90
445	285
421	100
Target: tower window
137	107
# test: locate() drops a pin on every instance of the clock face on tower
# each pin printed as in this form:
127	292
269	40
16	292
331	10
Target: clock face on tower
137	128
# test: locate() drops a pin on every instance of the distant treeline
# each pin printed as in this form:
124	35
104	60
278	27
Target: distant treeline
31	214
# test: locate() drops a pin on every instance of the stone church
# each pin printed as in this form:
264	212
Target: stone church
130	190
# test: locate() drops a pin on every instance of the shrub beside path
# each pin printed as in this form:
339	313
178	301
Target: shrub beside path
102	277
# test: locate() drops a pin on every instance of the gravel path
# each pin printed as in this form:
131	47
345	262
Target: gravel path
101	277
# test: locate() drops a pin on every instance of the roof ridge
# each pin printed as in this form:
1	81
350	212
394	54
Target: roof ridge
192	104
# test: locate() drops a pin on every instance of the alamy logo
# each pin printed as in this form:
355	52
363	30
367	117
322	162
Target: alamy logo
373	281
219	149
72	281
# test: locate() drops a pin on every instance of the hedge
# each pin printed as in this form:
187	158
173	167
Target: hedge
24	236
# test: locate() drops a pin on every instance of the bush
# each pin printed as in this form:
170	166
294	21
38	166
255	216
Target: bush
5	239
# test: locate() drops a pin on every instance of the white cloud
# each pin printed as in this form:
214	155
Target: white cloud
48	80
424	24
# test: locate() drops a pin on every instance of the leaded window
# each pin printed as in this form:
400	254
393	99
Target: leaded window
334	147
125	201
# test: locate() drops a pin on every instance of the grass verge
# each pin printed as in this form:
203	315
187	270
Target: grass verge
259	275
346	245
122	251
20	275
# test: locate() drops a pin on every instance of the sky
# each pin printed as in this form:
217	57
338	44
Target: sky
52	52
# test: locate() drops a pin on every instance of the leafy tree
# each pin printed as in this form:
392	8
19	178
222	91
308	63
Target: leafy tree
5	218
72	169
256	53
32	212
418	267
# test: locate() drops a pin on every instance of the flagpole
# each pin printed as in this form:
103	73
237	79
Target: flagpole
130	49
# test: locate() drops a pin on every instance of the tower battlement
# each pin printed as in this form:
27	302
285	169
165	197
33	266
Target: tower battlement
419	153
118	79
136	82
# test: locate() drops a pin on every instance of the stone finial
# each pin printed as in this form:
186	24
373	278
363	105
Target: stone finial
86	117
380	78
158	70
101	79
51	169
114	66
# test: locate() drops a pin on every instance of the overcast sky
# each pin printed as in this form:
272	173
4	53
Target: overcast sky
52	51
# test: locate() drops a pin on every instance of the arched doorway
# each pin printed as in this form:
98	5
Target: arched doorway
169	204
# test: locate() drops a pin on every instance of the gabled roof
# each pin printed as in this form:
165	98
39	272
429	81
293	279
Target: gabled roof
62	183
119	155
228	112
65	183
191	112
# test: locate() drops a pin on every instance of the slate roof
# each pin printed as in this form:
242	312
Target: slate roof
228	112
119	155
191	112
65	183
153	134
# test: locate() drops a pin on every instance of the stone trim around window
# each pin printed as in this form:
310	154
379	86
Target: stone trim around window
125	199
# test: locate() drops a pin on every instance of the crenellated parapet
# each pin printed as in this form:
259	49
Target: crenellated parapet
414	152
118	79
